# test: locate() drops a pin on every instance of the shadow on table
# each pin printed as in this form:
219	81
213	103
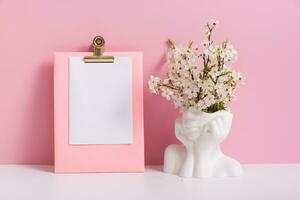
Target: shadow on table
157	168
50	168
44	168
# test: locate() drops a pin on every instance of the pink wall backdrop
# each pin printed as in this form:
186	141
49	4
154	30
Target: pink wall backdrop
265	33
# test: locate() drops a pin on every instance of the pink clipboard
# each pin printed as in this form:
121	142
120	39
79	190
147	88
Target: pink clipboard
70	158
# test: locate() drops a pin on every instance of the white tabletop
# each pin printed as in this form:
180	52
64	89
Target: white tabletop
276	181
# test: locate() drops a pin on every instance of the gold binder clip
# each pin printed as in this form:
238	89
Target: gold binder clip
98	57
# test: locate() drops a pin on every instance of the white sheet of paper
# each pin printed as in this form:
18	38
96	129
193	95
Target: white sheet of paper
100	101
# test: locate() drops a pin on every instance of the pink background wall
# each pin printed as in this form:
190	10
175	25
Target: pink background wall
266	34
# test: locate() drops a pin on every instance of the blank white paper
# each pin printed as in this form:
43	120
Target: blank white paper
100	101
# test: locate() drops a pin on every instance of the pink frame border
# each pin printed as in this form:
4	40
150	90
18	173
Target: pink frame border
96	158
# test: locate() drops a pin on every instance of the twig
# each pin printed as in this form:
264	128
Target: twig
171	43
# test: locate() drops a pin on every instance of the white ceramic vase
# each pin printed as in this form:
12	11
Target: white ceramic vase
200	155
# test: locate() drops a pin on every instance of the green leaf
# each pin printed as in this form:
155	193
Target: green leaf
214	108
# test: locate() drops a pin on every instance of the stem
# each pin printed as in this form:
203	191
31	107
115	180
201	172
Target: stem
208	60
168	86
211	78
190	44
171	43
191	73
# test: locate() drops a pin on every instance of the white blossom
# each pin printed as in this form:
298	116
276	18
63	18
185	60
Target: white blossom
214	22
167	93
153	84
199	79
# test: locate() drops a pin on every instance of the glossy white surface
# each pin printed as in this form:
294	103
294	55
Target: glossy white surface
276	181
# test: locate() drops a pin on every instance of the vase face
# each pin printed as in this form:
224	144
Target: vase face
206	126
200	155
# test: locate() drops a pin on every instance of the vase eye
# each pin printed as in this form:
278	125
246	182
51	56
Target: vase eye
191	125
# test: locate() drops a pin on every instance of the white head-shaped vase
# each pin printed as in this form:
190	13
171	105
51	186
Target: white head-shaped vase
200	155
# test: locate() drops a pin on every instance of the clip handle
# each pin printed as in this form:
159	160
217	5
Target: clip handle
98	47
